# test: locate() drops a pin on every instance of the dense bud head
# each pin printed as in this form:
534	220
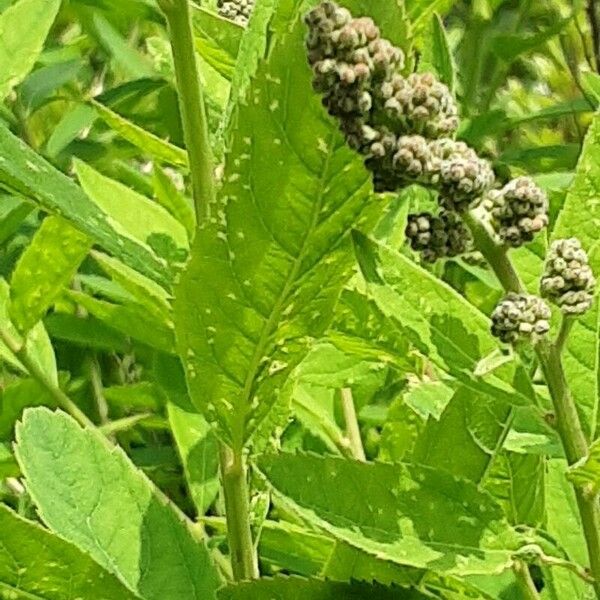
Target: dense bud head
420	104
568	280
518	211
459	174
238	11
520	317
437	237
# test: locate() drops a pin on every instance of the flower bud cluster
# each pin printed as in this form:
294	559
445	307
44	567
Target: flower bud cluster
520	317
237	11
568	280
435	237
518	211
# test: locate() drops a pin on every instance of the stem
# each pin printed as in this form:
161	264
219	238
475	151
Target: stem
494	254
352	428
568	423
19	349
565	328
191	104
244	562
525	582
95	375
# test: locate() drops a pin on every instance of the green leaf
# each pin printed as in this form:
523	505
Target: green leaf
13	211
24	172
296	588
128	59
580	218
266	272
217	40
442	56
44	269
586	473
564	525
405	514
146	292
199	450
131	319
85	332
89	493
15	397
137	216
169	197
145	141
37	343
472	425
23	30
439	322
34	564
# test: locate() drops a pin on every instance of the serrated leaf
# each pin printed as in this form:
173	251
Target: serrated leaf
48	265
145	141
34	564
470	423
580	218
266	271
89	493
296	588
136	215
23	30
24	172
217	40
405	514
199	451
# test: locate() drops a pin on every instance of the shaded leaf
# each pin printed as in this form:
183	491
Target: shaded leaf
405	514
37	564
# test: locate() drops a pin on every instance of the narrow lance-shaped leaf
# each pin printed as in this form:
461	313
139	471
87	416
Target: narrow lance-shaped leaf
404	514
147	142
35	564
267	269
442	55
23	30
91	495
25	173
580	218
44	269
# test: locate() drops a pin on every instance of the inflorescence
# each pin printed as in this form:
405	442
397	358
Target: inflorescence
238	11
404	127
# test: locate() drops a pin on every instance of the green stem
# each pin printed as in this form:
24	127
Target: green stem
525	582
352	428
494	254
244	561
565	328
191	104
568	423
19	349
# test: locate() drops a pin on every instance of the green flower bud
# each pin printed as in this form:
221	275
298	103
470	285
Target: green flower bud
518	211
568	280
520	317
